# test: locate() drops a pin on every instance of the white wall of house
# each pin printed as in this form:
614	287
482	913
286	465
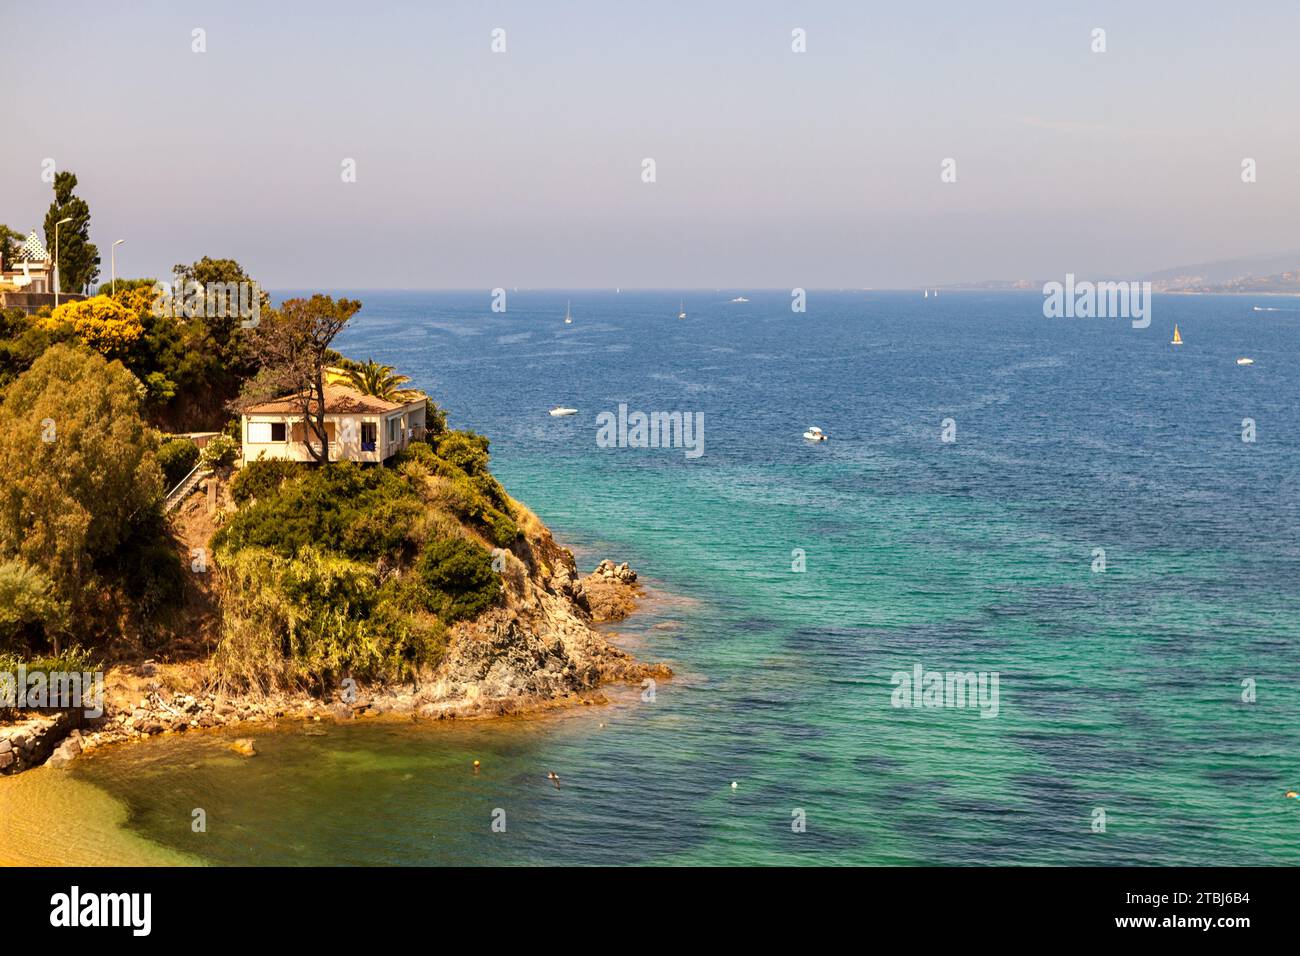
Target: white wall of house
364	438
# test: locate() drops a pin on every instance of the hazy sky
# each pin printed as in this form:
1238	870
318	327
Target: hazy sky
774	168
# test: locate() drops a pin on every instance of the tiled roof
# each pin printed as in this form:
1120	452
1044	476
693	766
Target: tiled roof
339	400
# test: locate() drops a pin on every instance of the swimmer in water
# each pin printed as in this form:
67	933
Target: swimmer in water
554	778
1293	794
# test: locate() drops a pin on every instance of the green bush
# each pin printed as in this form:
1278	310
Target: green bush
314	618
331	508
177	457
459	577
74	659
220	450
29	607
263	478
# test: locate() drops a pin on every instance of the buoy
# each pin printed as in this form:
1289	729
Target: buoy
475	764
734	785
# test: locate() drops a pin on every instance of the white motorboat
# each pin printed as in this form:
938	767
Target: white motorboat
559	411
1245	361
814	434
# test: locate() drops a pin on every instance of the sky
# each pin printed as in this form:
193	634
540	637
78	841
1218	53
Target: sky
773	168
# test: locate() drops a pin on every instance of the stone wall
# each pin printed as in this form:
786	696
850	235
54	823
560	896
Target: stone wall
28	743
29	302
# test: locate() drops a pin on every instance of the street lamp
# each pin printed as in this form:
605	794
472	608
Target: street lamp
114	256
58	279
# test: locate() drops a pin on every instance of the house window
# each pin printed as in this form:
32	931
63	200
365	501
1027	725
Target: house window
259	433
277	431
368	434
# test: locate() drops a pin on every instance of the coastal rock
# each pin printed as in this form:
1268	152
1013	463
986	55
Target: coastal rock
244	747
64	754
610	592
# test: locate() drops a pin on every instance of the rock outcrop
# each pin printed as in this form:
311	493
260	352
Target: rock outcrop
539	647
535	650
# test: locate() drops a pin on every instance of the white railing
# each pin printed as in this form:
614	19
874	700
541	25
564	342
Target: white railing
183	489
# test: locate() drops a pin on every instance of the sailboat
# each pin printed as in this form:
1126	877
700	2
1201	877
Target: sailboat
927	294
681	310
568	318
1177	339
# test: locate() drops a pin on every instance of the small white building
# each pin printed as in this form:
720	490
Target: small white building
32	272
359	427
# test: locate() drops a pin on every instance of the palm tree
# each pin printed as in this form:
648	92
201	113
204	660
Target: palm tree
381	381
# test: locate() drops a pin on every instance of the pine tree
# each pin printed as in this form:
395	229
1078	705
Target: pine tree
78	256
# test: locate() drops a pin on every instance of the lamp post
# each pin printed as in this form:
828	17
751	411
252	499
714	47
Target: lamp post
58	279
114	257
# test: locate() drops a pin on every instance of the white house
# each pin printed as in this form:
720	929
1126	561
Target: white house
359	427
32	272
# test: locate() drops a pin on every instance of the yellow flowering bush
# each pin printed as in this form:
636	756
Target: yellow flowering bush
104	324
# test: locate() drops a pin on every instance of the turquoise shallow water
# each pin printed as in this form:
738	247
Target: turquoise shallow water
1119	691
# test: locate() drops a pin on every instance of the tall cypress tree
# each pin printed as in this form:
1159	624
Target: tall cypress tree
77	254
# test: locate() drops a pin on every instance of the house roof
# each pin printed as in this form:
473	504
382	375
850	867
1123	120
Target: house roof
339	400
33	250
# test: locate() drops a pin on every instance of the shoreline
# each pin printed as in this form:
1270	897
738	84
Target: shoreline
143	701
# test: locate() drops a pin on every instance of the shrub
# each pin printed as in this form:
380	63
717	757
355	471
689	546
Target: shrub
466	450
330	508
262	479
104	324
221	450
27	602
74	659
177	458
459	577
316	617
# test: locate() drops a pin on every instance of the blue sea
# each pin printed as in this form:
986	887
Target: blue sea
1097	534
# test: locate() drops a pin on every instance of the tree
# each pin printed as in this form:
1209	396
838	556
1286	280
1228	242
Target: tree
104	324
10	243
80	472
26	601
78	256
381	381
293	345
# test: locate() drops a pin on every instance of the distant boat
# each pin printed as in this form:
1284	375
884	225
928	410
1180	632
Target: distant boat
681	310
927	294
1245	361
1177	339
814	434
559	411
740	298
568	318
